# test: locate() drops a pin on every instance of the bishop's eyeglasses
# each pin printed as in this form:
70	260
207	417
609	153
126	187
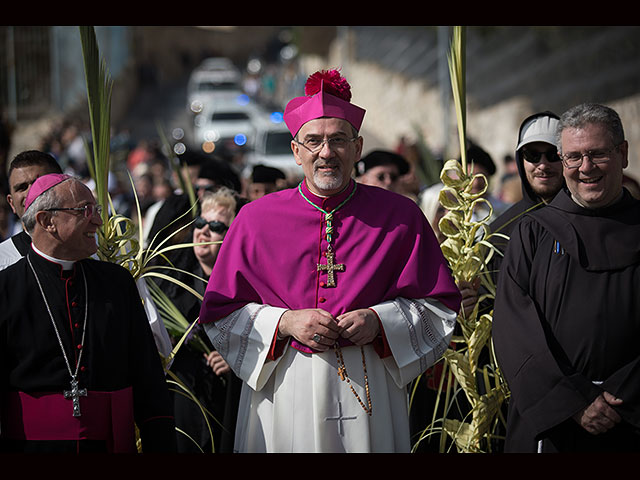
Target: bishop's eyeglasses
574	159
89	210
315	144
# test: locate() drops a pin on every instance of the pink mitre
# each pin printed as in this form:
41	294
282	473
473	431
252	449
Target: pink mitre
328	94
41	185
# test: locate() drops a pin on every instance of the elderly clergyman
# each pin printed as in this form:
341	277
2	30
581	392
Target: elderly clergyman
79	367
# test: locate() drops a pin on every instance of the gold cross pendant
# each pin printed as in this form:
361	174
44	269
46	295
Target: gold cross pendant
330	267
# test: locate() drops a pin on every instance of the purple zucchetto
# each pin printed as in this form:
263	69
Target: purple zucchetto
42	184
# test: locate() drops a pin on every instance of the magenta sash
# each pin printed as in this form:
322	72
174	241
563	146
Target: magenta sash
48	416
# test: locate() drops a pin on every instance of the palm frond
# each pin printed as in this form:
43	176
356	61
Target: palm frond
457	73
468	251
118	240
175	322
99	89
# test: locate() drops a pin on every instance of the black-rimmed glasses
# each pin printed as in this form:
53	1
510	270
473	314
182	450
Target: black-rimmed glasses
574	159
88	210
215	226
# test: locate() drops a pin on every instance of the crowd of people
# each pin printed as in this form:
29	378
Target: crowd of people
317	304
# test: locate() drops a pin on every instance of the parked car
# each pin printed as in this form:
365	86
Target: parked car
212	80
272	147
226	122
217	64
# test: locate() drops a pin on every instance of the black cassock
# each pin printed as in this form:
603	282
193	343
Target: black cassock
120	366
219	395
567	322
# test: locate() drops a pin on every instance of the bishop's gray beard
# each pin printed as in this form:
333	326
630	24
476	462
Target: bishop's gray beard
328	180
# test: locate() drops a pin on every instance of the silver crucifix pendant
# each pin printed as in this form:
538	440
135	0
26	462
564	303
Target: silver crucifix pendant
75	393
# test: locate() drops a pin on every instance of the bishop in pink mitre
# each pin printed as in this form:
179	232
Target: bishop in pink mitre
361	250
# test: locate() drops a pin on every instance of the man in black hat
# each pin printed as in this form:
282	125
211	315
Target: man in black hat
264	179
381	168
216	172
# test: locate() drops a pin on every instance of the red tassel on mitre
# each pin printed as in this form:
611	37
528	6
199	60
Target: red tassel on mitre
331	82
327	94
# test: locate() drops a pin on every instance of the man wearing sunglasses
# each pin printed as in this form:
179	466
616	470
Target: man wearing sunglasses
540	172
566	318
79	367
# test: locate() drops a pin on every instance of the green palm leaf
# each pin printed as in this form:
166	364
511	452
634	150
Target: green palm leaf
457	72
117	237
468	252
99	89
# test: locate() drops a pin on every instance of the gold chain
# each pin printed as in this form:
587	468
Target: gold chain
342	373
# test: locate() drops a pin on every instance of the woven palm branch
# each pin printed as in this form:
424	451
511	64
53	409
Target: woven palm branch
468	251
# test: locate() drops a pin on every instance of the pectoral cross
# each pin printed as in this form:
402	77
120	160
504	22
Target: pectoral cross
75	393
330	267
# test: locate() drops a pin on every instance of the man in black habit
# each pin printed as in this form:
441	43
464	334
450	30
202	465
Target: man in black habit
78	365
567	314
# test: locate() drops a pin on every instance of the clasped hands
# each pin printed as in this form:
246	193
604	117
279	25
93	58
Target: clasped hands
319	329
600	416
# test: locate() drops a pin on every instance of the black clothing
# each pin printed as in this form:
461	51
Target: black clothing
220	395
22	242
506	222
566	323
118	351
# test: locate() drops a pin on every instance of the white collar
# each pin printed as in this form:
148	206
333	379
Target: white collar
65	264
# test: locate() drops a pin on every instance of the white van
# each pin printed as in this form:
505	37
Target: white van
206	86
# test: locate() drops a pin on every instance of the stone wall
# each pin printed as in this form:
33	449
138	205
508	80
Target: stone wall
398	103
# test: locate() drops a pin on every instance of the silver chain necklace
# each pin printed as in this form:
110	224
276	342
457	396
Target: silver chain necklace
75	393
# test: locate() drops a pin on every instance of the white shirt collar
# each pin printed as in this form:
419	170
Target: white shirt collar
66	264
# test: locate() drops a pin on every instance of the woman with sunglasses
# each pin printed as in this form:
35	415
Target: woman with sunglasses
217	212
209	378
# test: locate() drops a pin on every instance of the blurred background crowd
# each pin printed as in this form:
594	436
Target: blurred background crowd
209	99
